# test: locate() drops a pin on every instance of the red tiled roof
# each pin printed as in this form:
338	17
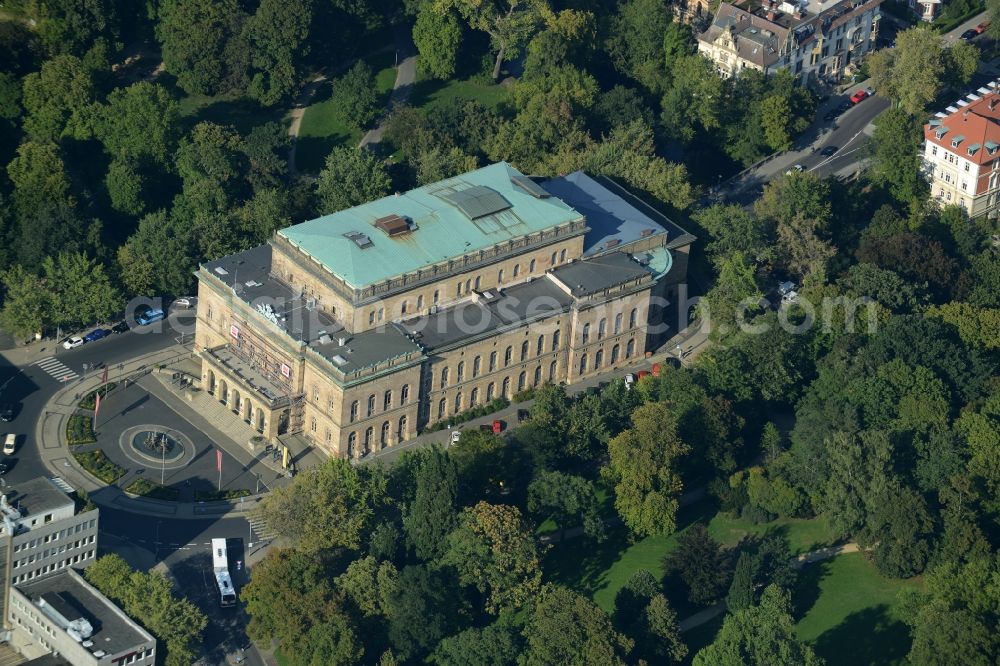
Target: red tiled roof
977	123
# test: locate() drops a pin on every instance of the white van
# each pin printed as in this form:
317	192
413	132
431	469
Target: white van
9	443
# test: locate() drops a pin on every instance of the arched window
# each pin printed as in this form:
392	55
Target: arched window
505	391
586	333
401	429
500	276
352	444
477	365
531	266
538	376
517	269
553	259
468	286
598	359
371	317
312	424
476	287
444	377
387	400
602	328
508	355
552	372
402	308
420	302
524	350
371	404
630	349
458	402
404	394
460	375
437	294
583	364
540	347
490	389
354	411
555	339
381	313
441	407
521	378
493	361
562	256
474	397
458	289
618	323
614	354
368	439
383	438
632	317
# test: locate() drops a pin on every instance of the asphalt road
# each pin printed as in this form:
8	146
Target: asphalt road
182	546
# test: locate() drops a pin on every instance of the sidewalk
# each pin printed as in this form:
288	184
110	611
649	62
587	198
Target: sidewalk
406	77
50	435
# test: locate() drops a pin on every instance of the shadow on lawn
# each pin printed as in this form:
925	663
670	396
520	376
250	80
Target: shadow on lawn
807	586
869	636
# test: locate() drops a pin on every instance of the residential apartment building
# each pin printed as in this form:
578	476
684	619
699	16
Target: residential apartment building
47	608
926	10
359	328
813	39
962	154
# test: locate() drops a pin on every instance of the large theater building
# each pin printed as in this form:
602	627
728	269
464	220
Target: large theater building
359	328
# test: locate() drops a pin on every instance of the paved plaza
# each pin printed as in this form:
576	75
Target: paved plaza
190	464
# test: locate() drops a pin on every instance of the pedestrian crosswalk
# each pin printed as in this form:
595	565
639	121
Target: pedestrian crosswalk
56	368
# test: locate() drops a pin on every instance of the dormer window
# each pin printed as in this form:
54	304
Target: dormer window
957	140
973	149
940	131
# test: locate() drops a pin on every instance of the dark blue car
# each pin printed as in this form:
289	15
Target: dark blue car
96	334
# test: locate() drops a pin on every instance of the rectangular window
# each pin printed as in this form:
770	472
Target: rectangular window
967	166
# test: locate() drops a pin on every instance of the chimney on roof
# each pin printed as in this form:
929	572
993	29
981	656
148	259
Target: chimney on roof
770	15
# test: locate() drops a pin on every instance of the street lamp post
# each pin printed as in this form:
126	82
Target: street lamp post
163	457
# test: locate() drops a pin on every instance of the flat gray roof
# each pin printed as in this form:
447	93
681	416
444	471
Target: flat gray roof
37	496
248	273
613	214
599	273
365	349
497	309
113	630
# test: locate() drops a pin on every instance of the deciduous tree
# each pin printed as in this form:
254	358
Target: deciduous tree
569	500
437	36
433	513
351	177
277	36
643	467
568	628
509	23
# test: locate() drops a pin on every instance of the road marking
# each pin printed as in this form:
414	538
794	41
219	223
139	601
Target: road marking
56	369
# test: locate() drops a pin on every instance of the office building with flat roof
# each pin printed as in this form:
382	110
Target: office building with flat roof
361	327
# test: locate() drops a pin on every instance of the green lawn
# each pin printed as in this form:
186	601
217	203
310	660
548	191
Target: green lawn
600	570
803	535
242	113
851	612
428	93
321	131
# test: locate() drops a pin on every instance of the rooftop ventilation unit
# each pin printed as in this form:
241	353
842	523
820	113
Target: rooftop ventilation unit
613	242
646	232
55	606
476	201
393	225
342	341
360	239
252	283
221	271
530	186
325	339
339	360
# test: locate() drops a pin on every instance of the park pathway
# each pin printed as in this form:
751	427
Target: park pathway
406	76
701	617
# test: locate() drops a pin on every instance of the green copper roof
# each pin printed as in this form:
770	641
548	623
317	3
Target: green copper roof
467	213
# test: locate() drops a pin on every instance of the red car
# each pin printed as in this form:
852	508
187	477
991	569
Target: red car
656	369
858	96
643	373
981	28
497	427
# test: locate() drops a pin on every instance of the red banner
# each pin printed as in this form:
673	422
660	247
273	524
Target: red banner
218	460
97	404
104	377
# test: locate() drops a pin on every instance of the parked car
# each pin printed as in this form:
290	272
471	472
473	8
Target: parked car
73	342
4	468
970	34
786	287
981	28
455	435
832	115
629	381
185	302
121	327
6	412
790	297
485	427
96	334
870	91
859	96
523	415
798	168
497	427
9	444
149	316
828	151
657	368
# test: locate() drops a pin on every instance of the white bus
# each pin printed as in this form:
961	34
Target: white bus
220	566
